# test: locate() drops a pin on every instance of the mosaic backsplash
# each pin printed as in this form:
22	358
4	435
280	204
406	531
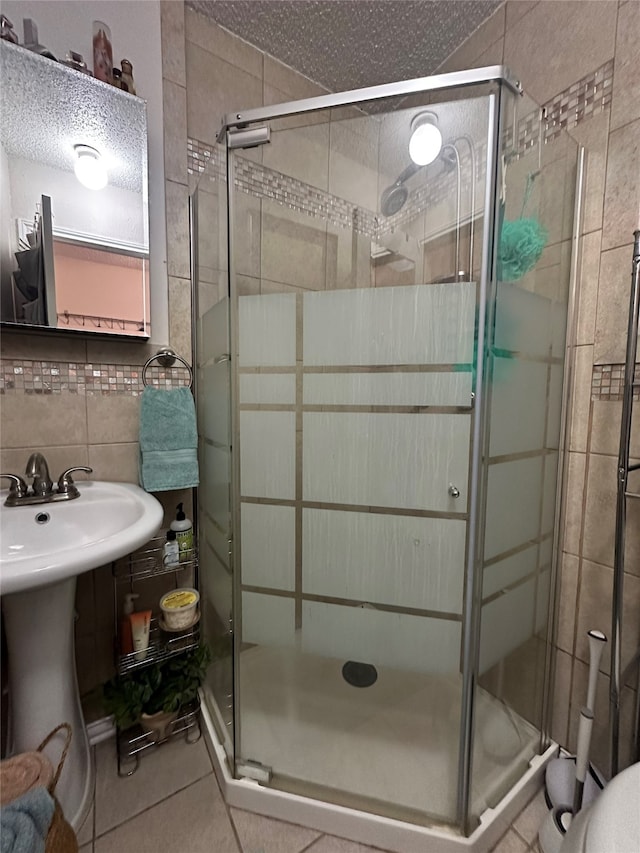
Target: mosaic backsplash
586	97
608	380
53	377
581	100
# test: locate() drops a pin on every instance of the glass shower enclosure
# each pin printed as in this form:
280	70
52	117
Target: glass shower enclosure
382	282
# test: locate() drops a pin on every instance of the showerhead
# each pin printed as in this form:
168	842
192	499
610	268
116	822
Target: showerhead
392	199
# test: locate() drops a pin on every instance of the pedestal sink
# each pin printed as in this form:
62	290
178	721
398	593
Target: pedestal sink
43	547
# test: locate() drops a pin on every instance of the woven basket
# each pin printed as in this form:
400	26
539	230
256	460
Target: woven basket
29	769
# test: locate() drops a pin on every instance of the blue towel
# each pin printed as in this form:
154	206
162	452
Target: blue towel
25	822
168	440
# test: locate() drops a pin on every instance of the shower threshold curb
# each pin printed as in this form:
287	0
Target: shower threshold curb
366	828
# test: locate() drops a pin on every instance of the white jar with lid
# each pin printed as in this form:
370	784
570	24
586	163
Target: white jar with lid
180	608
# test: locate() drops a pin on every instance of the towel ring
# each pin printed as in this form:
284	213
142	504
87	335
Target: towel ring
167	358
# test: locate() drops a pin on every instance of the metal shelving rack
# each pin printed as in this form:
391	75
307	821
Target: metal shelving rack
624	494
143	565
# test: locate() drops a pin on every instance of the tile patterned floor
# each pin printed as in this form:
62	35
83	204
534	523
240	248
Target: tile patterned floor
173	804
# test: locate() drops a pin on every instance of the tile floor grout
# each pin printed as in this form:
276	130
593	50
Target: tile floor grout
237	830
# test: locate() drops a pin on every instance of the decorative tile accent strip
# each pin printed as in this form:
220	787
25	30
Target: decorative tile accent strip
583	99
580	101
200	154
607	382
49	377
261	182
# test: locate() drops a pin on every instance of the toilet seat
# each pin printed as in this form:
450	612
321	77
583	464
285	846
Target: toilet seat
615	818
612	823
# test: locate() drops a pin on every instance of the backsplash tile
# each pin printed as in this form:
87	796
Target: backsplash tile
607	382
52	377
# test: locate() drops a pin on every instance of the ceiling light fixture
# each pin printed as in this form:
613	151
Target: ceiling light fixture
426	140
89	167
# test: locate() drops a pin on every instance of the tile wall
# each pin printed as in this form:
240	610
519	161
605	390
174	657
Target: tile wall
531	37
549	46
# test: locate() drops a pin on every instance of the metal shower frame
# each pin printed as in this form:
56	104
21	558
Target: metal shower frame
238	131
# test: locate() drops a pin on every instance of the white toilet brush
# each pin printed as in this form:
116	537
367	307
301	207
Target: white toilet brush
561	773
556	824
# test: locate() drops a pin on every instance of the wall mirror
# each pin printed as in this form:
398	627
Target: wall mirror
74	227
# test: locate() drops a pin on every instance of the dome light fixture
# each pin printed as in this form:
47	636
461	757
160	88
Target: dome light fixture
89	167
426	140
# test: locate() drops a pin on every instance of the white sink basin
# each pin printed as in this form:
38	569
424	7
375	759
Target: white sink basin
106	522
43	547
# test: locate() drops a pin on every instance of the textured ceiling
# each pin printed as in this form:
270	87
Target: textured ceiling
347	44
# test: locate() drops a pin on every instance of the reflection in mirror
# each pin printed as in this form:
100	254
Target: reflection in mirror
63	132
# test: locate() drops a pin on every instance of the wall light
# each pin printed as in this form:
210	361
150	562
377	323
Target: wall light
89	167
426	140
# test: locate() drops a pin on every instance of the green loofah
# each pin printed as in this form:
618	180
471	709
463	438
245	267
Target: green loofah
521	244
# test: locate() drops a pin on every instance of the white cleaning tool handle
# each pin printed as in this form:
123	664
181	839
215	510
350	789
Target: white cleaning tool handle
597	641
582	756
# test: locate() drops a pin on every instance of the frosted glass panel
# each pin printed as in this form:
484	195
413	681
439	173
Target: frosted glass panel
555	405
215	538
513	505
374	636
523	321
542	601
267	330
549	497
386	459
499	575
513	613
518	386
387	389
362	555
268	388
390	325
268	546
267	454
214	331
267	619
213	407
217	585
214	482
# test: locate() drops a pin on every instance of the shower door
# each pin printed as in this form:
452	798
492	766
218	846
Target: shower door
353	328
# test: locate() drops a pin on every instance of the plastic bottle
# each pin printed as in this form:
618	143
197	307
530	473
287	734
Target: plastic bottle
171	553
184	534
126	637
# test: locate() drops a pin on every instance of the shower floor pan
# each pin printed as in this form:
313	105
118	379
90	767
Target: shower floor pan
390	749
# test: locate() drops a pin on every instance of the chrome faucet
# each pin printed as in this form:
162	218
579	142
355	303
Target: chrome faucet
38	470
42	490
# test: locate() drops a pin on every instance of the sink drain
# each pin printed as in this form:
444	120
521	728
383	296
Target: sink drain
42	517
359	674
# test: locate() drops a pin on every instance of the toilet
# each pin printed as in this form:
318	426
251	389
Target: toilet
612	823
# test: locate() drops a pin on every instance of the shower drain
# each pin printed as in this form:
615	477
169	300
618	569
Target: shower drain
359	674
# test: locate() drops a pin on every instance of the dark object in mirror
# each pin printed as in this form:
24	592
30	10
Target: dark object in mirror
29	279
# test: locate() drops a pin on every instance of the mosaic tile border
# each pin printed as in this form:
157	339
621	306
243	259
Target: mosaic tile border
24	376
581	100
607	382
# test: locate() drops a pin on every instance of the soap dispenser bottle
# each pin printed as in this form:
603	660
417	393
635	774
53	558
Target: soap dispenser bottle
126	637
184	534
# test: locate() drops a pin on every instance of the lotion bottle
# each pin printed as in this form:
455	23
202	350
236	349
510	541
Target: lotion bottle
184	534
126	638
